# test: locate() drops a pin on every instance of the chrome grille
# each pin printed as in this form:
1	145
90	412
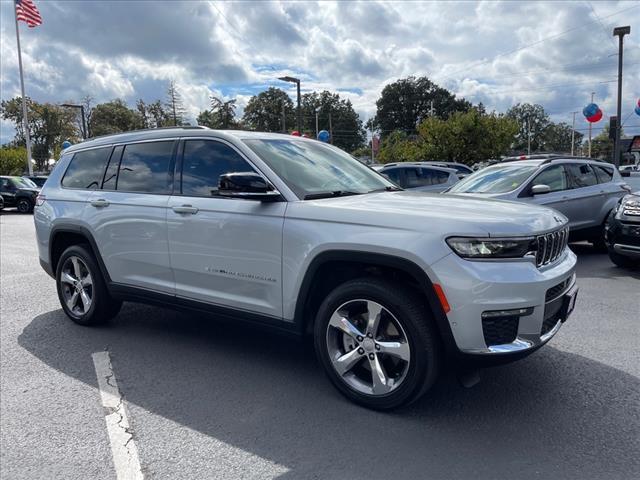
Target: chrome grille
551	245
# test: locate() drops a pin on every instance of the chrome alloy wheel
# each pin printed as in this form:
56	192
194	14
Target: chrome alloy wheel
77	285
368	347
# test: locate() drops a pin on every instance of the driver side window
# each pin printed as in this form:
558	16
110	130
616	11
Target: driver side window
555	177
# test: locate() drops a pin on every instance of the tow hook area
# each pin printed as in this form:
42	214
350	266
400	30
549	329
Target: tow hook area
469	378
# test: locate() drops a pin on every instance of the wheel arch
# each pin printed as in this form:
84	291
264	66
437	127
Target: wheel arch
64	236
322	276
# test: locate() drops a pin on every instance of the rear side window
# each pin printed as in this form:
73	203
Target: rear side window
604	174
203	163
145	168
86	169
417	177
582	175
437	177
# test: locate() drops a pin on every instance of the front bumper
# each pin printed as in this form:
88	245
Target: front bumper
476	287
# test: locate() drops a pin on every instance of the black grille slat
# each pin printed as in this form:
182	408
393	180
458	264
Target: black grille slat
500	330
556	290
550	246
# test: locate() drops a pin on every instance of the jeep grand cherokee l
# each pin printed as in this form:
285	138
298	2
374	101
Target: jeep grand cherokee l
296	234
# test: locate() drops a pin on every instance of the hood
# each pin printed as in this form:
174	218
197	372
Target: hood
447	214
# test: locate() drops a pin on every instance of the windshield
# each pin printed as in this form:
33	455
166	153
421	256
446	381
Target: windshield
309	168
497	179
20	182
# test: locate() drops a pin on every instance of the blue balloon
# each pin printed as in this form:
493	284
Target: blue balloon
590	110
323	136
66	144
637	110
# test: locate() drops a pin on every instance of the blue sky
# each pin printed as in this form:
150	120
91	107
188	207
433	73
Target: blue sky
500	53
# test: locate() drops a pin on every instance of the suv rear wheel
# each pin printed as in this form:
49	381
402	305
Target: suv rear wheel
24	205
376	343
81	288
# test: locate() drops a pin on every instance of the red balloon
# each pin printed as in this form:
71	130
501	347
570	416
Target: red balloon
295	133
595	118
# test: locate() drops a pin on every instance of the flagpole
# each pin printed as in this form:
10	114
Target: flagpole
24	99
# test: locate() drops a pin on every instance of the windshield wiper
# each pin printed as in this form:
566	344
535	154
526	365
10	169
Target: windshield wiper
335	193
388	188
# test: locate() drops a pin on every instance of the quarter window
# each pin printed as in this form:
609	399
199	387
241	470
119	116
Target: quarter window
203	163
394	174
145	168
555	177
604	174
86	169
582	175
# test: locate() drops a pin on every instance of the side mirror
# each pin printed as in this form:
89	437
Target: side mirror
540	189
247	185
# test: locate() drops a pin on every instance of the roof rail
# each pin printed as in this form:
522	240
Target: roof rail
183	127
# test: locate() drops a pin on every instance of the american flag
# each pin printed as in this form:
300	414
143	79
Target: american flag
27	11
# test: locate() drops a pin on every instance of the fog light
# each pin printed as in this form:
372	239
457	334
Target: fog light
517	312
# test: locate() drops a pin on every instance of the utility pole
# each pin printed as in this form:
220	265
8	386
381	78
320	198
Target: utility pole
590	127
373	156
619	32
573	132
431	109
284	120
317	110
529	135
84	122
330	130
299	112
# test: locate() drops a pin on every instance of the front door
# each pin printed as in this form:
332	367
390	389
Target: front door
224	251
556	178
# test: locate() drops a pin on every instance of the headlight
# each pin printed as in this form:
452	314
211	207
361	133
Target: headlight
492	248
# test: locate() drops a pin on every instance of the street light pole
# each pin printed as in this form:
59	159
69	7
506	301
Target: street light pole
619	32
573	132
299	113
590	126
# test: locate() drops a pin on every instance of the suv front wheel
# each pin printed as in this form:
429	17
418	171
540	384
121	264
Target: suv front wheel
377	343
81	288
24	205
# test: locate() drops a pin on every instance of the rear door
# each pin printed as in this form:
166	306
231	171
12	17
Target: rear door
128	216
224	251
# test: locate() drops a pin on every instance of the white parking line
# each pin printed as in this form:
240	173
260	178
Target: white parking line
123	447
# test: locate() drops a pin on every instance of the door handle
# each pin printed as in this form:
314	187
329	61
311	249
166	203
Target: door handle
185	209
101	202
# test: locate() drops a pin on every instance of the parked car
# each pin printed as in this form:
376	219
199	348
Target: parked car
420	176
298	235
38	180
1	203
622	231
461	169
18	192
584	190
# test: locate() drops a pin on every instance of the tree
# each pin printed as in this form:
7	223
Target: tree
221	115
532	120
264	112
49	126
13	160
405	103
557	138
174	105
346	126
399	147
114	117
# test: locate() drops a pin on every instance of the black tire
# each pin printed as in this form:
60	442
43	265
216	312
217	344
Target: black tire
102	307
412	313
24	205
622	261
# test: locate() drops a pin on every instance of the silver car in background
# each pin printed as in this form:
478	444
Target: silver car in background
420	176
584	190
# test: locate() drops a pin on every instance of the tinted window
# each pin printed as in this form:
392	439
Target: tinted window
393	174
145	168
604	174
203	163
437	177
497	179
86	169
417	177
111	174
461	169
555	177
582	175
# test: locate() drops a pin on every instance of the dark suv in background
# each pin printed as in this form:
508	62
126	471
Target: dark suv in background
18	192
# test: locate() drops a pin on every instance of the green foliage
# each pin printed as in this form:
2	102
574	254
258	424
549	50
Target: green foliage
407	102
49	126
533	120
465	137
221	116
263	113
346	125
174	108
13	160
557	138
114	117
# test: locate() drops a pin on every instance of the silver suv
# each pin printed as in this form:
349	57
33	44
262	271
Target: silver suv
584	190
296	234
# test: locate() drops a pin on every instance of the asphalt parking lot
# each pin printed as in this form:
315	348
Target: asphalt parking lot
208	399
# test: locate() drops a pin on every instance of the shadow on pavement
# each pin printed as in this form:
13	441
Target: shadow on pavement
595	264
552	415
